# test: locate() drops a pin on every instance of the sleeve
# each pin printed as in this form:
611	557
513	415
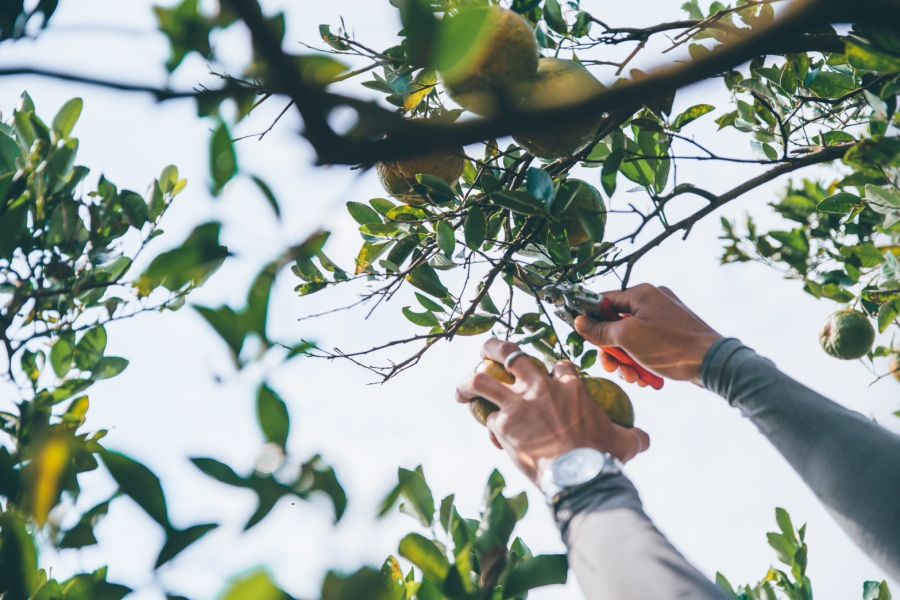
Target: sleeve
850	463
617	552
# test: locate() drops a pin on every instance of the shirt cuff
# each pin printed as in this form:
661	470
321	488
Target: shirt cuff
607	492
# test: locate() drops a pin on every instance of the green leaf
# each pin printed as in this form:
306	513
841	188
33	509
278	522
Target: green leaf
436	188
369	584
840	203
425	554
423	319
476	324
887	314
691	114
198	257
179	539
428	303
446	239
784	523
518	201
425	278
368	254
319	70
65	119
414	491
475	228
406	213
874	590
553	17
420	28
829	84
255	586
109	366
61	355
90	348
866	58
610	170
540	186
363	214
222	158
140	484
135	208
228	324
546	569
273	417
268	194
256	315
18	557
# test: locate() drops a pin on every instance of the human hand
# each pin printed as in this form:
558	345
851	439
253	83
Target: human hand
542	416
662	334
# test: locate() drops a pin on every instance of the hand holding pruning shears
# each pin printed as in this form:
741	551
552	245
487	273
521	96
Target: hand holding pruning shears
645	332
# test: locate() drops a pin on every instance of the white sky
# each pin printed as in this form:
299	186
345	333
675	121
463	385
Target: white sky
710	481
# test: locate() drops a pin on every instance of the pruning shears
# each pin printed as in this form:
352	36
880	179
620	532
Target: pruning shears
572	300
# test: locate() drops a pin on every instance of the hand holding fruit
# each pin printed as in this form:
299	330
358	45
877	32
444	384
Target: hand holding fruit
662	333
541	415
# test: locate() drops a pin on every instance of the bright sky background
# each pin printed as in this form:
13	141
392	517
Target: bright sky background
710	481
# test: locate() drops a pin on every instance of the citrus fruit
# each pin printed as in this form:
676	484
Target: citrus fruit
611	398
584	217
847	334
560	83
482	407
484	55
399	177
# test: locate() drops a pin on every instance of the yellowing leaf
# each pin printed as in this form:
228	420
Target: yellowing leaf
49	468
421	86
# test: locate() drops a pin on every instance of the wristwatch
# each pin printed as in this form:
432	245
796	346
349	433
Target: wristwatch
574	469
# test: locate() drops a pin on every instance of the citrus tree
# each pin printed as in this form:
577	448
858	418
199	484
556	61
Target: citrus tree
506	136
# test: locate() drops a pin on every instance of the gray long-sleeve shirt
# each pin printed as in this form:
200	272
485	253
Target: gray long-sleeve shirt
850	463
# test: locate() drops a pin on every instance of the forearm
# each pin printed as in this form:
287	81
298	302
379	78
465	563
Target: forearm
617	552
850	463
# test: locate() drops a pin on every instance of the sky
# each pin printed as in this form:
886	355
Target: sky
710	481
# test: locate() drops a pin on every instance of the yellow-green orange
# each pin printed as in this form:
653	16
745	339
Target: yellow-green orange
847	334
482	407
560	83
585	217
483	57
398	177
612	399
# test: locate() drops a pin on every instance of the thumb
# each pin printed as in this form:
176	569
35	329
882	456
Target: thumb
600	333
630	442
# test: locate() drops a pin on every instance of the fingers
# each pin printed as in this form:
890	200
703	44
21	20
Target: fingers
628	374
522	368
608	362
601	333
482	385
564	369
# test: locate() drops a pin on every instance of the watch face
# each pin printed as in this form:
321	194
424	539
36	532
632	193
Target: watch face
577	467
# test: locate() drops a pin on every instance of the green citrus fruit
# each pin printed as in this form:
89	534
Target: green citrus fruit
398	177
584	215
560	83
847	334
483	56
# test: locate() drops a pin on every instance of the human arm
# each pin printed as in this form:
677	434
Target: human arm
848	461
614	548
